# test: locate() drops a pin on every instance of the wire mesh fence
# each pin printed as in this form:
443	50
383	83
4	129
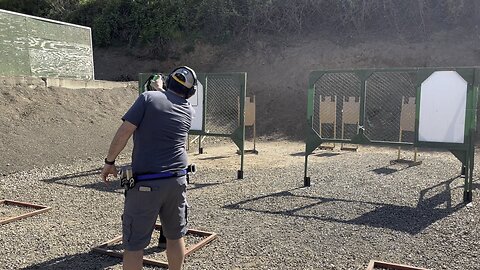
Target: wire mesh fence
389	106
222	103
336	95
386	97
421	107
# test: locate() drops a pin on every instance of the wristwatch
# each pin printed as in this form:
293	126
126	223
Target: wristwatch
109	162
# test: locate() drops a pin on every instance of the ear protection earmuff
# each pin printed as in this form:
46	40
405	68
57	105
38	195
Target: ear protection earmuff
188	91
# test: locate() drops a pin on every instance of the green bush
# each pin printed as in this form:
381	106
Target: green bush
163	23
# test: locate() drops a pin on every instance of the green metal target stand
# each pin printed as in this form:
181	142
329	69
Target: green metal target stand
217	110
445	110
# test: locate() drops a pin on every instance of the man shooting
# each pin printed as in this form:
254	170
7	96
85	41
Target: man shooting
159	122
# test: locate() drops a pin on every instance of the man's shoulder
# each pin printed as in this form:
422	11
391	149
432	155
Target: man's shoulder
156	94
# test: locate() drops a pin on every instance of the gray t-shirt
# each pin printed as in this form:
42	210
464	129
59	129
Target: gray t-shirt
163	120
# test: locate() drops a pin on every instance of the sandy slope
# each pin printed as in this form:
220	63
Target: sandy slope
41	126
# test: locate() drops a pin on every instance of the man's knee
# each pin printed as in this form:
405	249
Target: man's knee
176	244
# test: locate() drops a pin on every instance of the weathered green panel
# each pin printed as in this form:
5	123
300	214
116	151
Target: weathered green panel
55	52
13	45
60	59
34	46
55	31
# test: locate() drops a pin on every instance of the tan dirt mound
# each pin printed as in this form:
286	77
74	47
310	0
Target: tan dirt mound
42	126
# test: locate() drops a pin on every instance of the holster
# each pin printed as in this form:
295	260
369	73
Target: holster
126	177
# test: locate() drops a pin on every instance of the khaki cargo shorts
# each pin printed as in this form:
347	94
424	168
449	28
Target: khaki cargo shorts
164	198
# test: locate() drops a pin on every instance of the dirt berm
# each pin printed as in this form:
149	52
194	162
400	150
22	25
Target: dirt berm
42	125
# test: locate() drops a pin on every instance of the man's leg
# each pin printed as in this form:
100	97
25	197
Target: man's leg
138	221
133	260
175	253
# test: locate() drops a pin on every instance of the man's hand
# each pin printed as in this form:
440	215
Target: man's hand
116	146
107	170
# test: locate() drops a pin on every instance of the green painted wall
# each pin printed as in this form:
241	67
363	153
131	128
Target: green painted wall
32	46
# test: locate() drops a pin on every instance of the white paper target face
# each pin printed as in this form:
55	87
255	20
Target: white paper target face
443	101
197	103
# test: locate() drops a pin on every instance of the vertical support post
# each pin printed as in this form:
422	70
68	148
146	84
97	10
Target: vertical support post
473	128
254	139
466	172
400	139
310	104
467	193
204	115
466	164
471	124
470	175
343	124
254	127
400	132
306	179
243	94
363	97
200	148
334	120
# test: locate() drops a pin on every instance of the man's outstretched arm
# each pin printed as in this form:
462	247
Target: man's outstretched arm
119	141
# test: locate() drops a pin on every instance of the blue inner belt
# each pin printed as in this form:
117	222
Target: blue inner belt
161	175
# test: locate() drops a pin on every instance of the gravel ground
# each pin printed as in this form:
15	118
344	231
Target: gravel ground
359	208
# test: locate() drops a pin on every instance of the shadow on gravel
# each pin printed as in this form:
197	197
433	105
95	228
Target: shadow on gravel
112	186
385	171
74	175
152	250
327	154
69	180
392	168
213	158
193	186
324	154
434	204
81	261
